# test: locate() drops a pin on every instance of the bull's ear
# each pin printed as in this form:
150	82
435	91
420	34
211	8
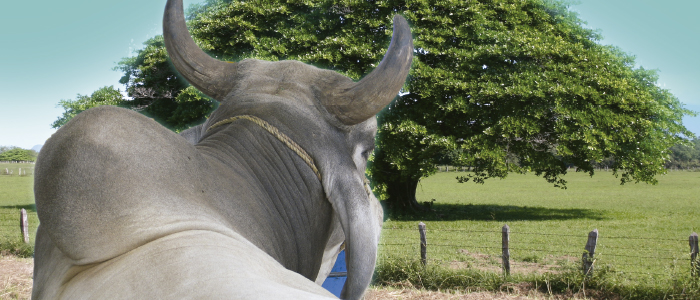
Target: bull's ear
211	76
362	100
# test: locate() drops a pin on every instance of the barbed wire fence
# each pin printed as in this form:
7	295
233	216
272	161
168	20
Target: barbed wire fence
541	251
14	224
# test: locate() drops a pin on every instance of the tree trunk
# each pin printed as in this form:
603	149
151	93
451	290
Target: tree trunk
402	196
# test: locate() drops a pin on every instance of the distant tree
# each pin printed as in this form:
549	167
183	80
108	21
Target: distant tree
5	148
107	95
685	156
18	154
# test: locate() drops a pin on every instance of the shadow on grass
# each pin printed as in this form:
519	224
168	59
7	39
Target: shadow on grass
28	207
492	212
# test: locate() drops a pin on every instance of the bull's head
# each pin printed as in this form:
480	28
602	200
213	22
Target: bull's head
329	115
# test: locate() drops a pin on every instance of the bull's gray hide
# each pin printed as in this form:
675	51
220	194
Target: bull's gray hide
130	210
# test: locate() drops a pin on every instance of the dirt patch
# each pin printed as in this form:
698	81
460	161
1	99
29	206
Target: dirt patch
15	277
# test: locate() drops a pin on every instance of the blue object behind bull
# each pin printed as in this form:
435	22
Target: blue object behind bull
335	281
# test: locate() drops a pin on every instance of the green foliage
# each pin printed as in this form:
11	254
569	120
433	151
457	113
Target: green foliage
192	107
18	154
685	156
346	36
521	86
158	91
106	95
499	85
5	148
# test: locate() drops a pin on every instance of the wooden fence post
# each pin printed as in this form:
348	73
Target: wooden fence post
423	244
590	251
24	225
505	232
694	265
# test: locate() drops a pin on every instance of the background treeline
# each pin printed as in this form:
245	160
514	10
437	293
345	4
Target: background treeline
680	157
685	157
10	153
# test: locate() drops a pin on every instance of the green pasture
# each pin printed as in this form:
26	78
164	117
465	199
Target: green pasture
16	192
643	229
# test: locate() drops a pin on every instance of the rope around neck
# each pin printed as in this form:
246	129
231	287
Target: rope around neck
276	133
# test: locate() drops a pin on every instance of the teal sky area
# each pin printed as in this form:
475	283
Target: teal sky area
53	50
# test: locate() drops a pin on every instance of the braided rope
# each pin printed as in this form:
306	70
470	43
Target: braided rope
276	133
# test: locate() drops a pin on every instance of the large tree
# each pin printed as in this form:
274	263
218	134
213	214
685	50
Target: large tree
516	86
498	85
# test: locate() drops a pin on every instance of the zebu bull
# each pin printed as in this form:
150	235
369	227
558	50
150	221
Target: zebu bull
254	206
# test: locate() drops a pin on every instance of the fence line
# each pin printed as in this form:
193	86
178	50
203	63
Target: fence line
20	227
590	255
537	233
18	223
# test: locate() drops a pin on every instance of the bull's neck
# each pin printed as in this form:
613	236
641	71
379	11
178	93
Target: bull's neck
272	196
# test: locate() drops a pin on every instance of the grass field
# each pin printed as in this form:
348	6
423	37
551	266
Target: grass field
643	229
16	192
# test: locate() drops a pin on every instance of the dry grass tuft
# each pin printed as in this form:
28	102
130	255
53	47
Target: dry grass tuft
492	263
15	277
521	291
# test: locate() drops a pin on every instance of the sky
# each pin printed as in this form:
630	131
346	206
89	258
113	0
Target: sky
53	50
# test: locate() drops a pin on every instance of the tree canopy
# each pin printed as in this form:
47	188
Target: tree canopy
5	148
497	85
516	86
18	154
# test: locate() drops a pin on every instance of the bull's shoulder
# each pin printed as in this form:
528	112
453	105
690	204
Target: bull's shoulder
194	264
112	179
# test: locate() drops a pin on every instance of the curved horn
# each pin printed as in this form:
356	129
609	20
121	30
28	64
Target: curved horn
211	76
367	97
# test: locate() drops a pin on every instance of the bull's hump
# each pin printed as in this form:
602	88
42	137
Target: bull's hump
106	189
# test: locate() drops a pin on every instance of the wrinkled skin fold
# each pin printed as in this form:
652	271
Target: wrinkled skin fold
131	210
